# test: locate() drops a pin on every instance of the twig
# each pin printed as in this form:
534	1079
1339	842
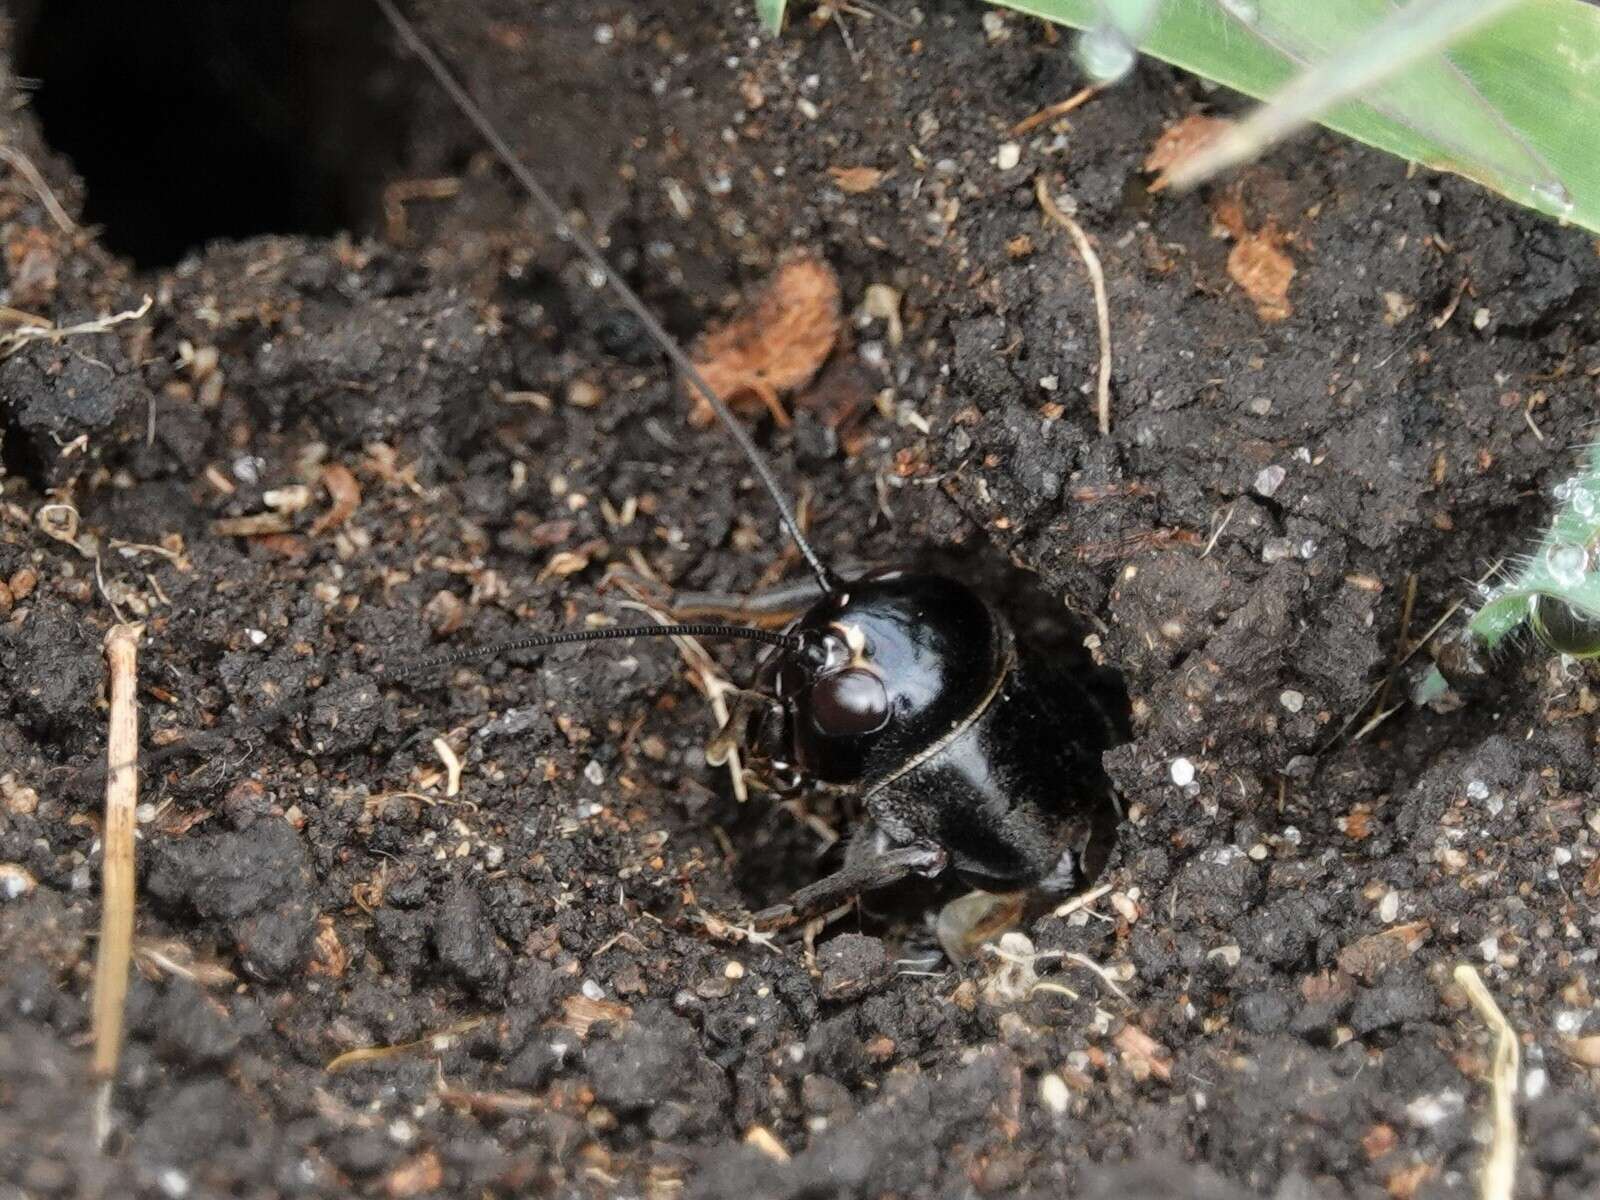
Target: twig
1082	900
1051	111
1500	1159
1407	607
23	165
117	881
1097	277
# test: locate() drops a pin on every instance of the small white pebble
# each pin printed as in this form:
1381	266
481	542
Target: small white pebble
1427	1111
1270	479
734	970
1489	948
1480	319
15	881
494	856
1389	907
173	1183
1049	383
145	813
1477	789
604	35
1009	156
594	773
593	990
1053	1093
1182	772
1292	700
1228	955
257	636
808	110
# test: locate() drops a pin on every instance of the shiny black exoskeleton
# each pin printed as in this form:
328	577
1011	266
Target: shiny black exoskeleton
968	750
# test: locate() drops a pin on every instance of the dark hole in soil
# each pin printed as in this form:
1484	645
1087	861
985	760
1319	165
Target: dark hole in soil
191	120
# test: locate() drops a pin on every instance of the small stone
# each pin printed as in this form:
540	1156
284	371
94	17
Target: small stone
1228	955
1292	700
1182	772
20	800
581	393
1269	480
15	881
713	987
1427	1111
1009	156
1477	789
1389	907
1053	1093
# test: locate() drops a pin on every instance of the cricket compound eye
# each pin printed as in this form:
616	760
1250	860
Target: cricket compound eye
849	704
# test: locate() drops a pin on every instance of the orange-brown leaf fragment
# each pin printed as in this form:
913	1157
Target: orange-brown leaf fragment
415	1176
1177	142
1258	264
855	180
775	344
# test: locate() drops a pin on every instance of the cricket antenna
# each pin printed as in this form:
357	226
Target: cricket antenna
474	113
266	717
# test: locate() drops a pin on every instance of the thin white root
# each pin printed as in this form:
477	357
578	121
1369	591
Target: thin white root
20	337
1102	307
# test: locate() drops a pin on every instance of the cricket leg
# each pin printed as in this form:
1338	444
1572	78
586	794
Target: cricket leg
864	873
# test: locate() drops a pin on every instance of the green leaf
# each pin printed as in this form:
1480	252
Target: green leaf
1557	587
1514	104
771	14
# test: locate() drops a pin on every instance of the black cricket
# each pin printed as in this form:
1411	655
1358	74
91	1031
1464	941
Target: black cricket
969	749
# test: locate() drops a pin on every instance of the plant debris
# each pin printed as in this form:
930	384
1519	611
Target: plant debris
776	343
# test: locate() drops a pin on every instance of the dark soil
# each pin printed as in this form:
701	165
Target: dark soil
553	951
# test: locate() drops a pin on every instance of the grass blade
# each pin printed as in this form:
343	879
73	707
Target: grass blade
115	950
771	14
1420	30
1512	105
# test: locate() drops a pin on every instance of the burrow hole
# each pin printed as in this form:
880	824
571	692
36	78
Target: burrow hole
193	120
